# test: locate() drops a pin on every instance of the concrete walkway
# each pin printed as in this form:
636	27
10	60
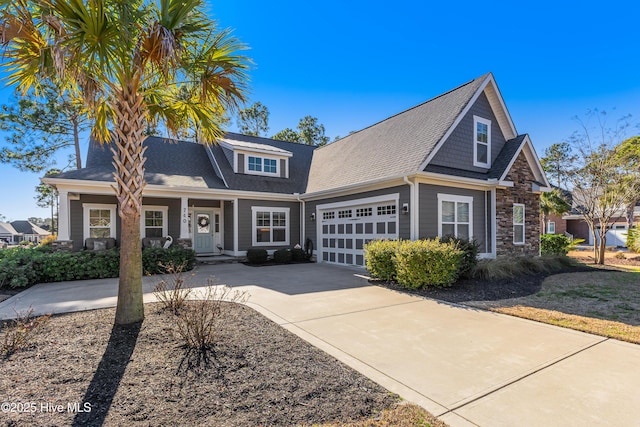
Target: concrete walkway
466	366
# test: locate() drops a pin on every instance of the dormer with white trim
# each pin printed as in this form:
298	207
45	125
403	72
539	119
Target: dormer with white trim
257	159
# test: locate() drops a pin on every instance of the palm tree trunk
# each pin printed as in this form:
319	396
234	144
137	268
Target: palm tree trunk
76	141
129	163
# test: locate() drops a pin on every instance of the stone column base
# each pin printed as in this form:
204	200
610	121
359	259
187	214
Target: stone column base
185	243
62	245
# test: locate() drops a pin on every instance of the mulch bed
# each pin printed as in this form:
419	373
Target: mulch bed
260	374
465	290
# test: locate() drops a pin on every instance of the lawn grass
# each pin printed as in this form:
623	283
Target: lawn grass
605	303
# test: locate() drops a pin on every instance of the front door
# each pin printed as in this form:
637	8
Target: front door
203	231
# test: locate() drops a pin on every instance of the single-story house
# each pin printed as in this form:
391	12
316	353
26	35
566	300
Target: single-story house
18	231
454	165
8	233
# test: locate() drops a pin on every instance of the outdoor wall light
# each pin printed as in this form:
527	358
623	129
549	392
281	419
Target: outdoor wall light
405	208
313	216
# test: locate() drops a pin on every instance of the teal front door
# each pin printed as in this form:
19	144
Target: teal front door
204	227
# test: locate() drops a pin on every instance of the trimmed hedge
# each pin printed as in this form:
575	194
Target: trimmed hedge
21	267
427	263
380	258
415	264
257	256
554	244
283	256
299	255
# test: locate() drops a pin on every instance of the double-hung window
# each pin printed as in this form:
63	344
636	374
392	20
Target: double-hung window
518	224
270	226
551	227
99	220
455	216
481	142
154	221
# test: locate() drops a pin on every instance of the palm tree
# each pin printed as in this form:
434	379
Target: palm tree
552	202
133	64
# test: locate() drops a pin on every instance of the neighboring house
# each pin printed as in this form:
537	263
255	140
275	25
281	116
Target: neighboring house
8	233
18	231
454	165
577	227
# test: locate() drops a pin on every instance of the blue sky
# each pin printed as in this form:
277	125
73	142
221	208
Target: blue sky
351	64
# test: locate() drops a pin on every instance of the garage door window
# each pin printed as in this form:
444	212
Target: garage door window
270	226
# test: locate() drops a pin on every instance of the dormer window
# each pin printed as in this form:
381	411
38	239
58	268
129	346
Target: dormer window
481	142
262	165
257	159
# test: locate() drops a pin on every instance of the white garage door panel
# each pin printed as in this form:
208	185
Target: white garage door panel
345	230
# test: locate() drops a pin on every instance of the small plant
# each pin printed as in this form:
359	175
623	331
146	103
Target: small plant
620	255
48	240
173	297
20	332
283	256
257	256
200	320
554	244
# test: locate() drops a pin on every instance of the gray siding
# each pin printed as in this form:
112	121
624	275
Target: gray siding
457	151
429	211
404	227
240	163
228	226
173	225
245	222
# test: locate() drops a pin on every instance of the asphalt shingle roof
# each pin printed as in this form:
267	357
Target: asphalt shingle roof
187	164
393	147
26	227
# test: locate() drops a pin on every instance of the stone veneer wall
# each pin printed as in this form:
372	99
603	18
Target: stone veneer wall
521	192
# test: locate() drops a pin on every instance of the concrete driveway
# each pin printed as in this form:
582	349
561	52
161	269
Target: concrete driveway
466	366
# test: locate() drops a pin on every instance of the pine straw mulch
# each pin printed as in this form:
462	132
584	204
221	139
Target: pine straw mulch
260	374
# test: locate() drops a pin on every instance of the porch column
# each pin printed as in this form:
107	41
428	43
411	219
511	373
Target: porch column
184	218
63	215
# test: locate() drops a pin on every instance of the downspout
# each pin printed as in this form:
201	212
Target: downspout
303	219
412	208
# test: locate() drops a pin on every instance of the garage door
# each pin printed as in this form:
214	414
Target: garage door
345	230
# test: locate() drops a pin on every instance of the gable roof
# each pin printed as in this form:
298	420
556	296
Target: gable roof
397	146
6	228
27	227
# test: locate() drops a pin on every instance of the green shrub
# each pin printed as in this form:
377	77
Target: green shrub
299	255
427	263
380	258
554	244
154	260
21	267
633	239
283	256
471	248
257	256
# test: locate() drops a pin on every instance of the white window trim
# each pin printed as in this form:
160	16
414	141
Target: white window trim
455	198
524	234
262	173
165	219
477	120
86	207
549	227
254	210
